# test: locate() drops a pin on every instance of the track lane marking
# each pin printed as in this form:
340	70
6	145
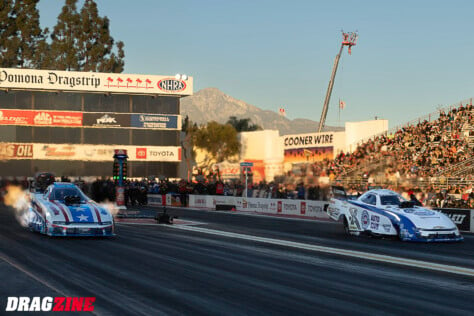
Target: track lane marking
337	251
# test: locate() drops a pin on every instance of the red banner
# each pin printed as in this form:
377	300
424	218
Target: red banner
40	118
56	118
16	117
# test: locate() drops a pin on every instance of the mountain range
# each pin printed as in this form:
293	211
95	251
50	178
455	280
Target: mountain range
211	104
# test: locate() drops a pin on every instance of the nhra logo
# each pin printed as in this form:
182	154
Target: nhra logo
279	207
171	85
141	153
43	118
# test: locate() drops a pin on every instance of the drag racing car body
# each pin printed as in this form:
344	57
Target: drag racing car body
62	209
383	212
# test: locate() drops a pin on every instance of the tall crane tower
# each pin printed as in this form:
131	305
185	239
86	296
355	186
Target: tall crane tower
348	39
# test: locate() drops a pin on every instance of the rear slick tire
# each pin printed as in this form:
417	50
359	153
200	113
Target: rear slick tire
347	230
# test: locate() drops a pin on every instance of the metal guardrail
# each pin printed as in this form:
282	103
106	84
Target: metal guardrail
373	164
440	182
467	170
468	161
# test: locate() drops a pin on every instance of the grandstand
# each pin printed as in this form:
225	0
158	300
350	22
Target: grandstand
432	151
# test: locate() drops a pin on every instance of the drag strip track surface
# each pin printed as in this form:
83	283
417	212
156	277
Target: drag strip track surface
165	270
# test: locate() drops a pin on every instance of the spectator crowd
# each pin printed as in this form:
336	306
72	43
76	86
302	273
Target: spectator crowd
404	161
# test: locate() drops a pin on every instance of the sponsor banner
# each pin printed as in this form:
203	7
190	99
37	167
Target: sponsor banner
33	79
89	119
290	207
106	120
16	117
260	205
316	209
308	140
16	151
308	155
154	153
300	208
460	217
103	152
173	199
156	199
223	200
200	201
155	121
227	170
304	208
57	118
40	118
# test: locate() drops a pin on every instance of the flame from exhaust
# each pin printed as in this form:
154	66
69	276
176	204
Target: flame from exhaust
19	200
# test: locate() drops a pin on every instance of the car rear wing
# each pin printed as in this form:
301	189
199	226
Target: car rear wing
338	192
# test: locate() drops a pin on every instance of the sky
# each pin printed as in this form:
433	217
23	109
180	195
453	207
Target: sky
411	58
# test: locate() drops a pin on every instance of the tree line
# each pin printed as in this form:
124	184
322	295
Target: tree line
220	141
80	40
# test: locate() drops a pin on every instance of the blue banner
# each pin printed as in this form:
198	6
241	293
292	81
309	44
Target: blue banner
154	121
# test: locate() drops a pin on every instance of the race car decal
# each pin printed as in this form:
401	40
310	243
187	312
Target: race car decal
353	221
59	206
81	213
365	219
96	212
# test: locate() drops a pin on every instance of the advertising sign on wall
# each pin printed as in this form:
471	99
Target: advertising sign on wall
460	217
40	118
16	151
32	79
308	148
88	152
89	119
57	118
155	121
308	155
297	208
15	117
308	140
106	120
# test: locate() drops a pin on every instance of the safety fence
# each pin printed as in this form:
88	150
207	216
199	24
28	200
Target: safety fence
463	218
284	207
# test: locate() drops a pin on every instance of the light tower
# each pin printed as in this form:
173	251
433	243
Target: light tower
348	39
